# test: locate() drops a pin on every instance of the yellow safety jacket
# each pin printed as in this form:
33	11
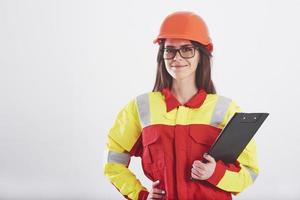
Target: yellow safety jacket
168	137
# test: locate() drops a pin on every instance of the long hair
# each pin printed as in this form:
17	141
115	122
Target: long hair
203	72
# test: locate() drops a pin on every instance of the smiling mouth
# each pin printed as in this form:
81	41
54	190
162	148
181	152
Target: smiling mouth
179	66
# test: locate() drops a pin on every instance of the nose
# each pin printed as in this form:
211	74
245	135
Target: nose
177	56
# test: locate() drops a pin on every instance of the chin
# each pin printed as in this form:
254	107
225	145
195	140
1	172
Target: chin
180	77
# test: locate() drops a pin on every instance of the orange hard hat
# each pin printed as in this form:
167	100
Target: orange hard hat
185	25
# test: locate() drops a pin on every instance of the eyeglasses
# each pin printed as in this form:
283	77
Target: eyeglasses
184	52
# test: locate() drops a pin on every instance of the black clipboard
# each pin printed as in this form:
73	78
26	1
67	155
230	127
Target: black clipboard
237	133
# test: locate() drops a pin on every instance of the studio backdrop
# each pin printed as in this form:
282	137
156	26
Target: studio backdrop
68	67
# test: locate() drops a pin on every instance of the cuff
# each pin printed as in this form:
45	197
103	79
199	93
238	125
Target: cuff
143	195
218	173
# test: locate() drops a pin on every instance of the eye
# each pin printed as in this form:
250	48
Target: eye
169	50
186	49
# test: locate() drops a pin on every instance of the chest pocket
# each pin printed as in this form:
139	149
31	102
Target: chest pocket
153	154
203	138
200	139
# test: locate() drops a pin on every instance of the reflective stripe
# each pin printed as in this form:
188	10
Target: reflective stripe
143	109
122	158
252	173
220	110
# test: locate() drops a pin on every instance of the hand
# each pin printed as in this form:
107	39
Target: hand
201	170
156	193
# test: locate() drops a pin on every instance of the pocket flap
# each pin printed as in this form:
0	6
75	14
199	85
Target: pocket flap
204	134
150	138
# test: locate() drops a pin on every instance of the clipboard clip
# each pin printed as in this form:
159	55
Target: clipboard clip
250	118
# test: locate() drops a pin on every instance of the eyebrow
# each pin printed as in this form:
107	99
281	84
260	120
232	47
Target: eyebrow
185	45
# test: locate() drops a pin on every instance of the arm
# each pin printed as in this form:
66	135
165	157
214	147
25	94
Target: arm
236	177
123	142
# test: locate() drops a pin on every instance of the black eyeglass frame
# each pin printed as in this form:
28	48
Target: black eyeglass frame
178	50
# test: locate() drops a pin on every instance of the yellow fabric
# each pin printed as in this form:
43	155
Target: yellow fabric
121	138
201	115
238	181
123	179
127	129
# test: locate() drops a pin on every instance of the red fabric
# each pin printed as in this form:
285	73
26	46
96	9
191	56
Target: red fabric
137	149
143	195
194	102
168	153
219	172
168	156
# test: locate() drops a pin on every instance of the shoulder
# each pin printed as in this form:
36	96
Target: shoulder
218	98
223	109
150	95
142	100
149	98
222	101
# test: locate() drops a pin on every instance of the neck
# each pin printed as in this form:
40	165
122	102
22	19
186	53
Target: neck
184	89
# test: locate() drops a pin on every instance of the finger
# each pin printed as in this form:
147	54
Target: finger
196	162
199	165
198	172
158	191
198	176
154	184
209	158
157	196
195	176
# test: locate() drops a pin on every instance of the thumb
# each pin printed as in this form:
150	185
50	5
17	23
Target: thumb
155	183
209	158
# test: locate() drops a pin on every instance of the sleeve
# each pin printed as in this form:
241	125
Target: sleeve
239	175
123	142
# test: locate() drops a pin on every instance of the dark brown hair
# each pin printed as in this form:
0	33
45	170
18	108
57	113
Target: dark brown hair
203	71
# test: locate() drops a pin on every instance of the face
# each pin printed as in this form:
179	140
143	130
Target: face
178	67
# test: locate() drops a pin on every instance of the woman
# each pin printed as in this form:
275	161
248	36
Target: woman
172	127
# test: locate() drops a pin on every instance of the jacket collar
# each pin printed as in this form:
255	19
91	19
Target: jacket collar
195	102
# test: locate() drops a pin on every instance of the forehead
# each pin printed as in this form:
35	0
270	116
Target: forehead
176	42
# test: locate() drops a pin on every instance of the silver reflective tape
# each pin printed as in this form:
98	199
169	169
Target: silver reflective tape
252	173
143	109
122	158
220	110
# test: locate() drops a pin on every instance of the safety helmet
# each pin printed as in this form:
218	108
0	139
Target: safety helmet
185	25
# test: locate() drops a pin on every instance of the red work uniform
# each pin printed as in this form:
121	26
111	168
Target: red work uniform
169	137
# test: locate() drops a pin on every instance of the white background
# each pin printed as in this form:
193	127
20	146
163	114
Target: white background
68	67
